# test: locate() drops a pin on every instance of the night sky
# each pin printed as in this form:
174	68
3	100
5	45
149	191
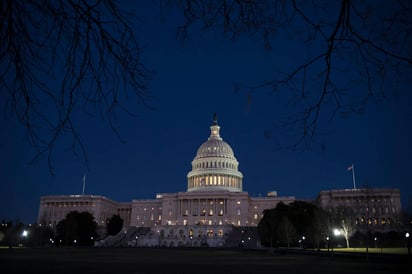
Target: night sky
189	84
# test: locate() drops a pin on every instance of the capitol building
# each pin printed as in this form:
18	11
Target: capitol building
213	206
214	211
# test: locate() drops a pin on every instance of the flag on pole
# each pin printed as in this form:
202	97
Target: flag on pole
352	168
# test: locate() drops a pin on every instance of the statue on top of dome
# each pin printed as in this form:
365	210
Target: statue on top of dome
214	119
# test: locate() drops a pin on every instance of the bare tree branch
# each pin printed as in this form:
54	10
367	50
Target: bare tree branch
58	57
369	42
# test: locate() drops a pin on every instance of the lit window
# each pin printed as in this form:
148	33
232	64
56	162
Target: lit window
238	202
220	232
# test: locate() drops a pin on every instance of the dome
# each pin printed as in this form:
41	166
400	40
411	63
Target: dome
214	147
215	165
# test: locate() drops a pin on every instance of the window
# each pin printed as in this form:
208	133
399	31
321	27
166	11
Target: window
220	232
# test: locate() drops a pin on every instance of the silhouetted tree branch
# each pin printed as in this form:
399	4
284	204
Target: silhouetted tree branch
58	57
369	43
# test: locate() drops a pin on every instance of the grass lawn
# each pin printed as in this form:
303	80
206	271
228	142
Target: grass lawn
386	250
211	261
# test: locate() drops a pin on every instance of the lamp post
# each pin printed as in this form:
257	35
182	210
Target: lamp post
408	243
24	235
337	233
327	242
303	242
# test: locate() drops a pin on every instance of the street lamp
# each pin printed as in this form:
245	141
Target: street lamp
408	243
336	232
24	235
302	242
327	242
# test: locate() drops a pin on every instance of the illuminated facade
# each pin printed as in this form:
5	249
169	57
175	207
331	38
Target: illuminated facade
374	208
55	208
213	204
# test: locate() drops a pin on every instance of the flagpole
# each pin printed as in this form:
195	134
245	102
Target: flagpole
84	183
353	176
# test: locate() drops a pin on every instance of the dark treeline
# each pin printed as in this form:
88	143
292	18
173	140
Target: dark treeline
303	224
76	229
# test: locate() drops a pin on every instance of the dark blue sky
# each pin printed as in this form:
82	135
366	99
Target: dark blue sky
188	85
